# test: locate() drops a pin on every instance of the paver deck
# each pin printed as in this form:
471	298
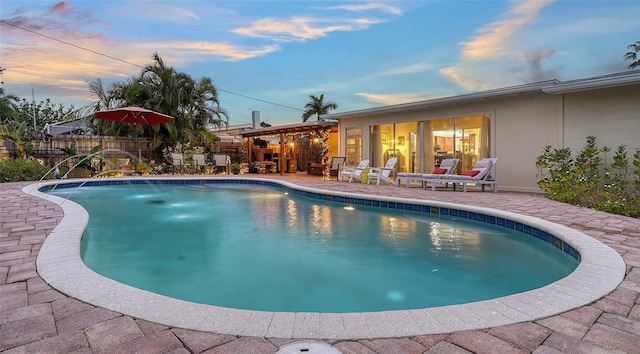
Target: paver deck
35	318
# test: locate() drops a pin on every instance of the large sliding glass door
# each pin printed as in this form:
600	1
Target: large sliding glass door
463	138
421	146
395	140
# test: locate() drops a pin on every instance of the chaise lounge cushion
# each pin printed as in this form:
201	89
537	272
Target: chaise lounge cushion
482	164
439	171
470	173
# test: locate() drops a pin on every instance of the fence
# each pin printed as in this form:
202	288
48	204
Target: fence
49	149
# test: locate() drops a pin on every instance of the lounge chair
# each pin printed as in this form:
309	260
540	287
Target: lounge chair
336	165
223	162
480	175
383	173
447	167
354	173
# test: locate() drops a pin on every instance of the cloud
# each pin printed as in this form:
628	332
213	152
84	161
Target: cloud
534	59
366	7
53	52
493	58
493	41
301	28
157	11
188	51
411	69
396	98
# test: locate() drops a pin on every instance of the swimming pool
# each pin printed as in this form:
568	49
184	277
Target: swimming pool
261	248
601	269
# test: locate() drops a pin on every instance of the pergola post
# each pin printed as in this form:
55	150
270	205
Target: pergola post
282	161
249	153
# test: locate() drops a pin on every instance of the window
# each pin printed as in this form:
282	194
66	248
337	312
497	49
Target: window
354	146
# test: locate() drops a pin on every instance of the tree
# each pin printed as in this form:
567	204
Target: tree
317	106
17	133
44	113
633	55
8	104
194	105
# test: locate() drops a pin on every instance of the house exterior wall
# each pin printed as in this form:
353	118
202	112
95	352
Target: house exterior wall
520	128
611	115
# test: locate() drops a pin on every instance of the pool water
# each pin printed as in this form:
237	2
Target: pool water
257	248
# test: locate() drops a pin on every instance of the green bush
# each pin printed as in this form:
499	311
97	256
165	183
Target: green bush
14	170
589	180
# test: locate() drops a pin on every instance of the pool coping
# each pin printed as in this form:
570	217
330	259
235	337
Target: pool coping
600	271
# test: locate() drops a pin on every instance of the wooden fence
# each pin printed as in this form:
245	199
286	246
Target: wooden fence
116	149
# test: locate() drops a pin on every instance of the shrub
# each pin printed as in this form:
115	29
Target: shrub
589	180
14	170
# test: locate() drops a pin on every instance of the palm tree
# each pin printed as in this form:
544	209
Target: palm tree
193	104
8	104
317	106
633	55
19	135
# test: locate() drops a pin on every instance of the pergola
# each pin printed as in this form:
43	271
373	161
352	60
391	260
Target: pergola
282	130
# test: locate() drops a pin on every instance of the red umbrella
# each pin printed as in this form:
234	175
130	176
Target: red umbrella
135	115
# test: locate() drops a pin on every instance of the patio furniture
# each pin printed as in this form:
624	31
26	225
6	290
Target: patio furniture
383	173
199	162
354	173
336	164
315	169
222	163
446	167
480	175
178	161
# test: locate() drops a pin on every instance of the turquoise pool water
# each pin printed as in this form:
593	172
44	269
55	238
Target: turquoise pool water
258	248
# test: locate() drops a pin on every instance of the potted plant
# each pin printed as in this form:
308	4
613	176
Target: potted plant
235	168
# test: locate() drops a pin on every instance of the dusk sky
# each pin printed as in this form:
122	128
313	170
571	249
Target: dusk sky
269	56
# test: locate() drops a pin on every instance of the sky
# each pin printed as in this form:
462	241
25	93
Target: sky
269	56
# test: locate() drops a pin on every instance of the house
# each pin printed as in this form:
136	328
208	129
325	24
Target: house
513	124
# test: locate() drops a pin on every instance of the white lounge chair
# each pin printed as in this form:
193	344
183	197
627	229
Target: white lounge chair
480	175
382	173
354	173
447	167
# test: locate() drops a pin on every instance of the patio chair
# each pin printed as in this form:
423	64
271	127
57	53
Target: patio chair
480	175
336	164
178	161
383	173
199	162
354	173
447	167
223	163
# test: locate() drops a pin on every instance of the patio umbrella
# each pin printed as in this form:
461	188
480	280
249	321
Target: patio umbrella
135	115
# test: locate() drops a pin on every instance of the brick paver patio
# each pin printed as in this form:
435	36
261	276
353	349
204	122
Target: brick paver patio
34	318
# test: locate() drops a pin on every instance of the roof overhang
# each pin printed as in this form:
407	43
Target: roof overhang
445	101
548	87
291	128
613	80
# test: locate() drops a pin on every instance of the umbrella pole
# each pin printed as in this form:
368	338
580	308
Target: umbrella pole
135	139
